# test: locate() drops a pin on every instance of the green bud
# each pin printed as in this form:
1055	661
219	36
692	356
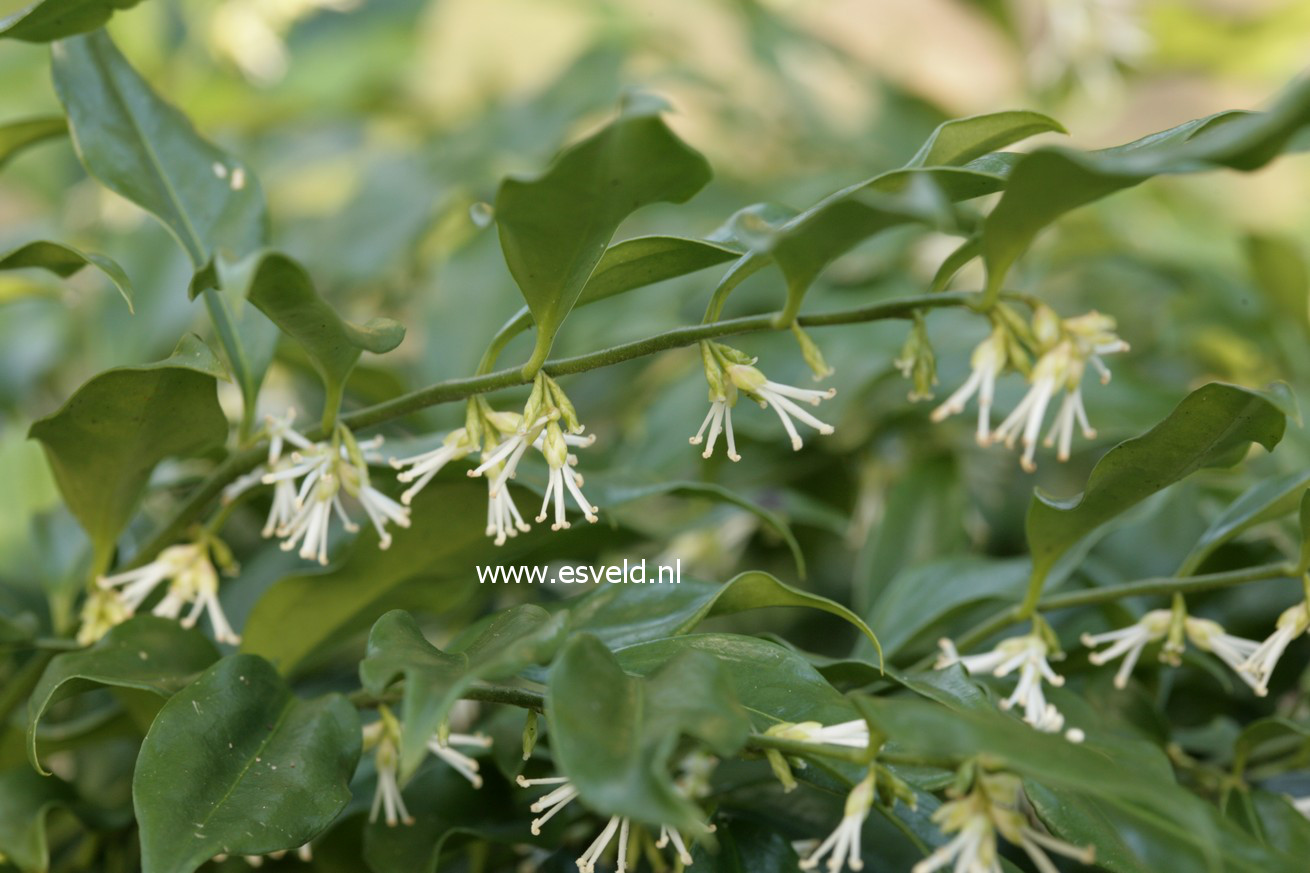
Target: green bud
811	353
530	734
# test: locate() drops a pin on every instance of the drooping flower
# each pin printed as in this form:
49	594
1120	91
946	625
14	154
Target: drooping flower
851	734
562	476
730	373
1210	636
988	361
193	581
103	610
461	763
994	804
1028	654
1067	347
382	737
550	425
842	847
1260	664
1129	642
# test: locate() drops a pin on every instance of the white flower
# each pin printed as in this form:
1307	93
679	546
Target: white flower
1070	345
309	488
781	398
503	518
1129	642
1260	664
852	734
383	736
987	362
552	802
103	609
1028	655
192	580
555	447
456	445
995	804
718	420
1209	636
843	845
461	763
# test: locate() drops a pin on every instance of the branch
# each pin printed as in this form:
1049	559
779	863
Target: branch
453	390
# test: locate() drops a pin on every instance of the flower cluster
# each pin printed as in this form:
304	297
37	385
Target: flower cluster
731	373
692	782
994	804
1253	661
549	424
192	581
1028	654
310	483
1064	348
382	737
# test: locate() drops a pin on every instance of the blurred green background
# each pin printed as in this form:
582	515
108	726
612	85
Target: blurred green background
374	126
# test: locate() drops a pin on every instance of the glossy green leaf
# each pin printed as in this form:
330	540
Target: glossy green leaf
49	20
554	228
1049	182
434	680
624	615
145	653
1109	774
105	441
613	734
15	136
64	261
923	595
350	596
746	847
237	764
961	140
1263	501
772	682
26	800
143	148
1214	426
1272	735
635	263
283	291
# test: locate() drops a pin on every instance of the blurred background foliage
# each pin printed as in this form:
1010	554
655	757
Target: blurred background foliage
374	126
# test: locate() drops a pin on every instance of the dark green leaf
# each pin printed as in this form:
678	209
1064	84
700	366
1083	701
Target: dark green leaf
434	680
1049	182
283	291
636	263
105	441
26	799
921	596
554	228
48	20
624	615
237	764
613	734
144	652
774	683
141	147
15	136
64	261
1214	426
1270	499
349	597
961	140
